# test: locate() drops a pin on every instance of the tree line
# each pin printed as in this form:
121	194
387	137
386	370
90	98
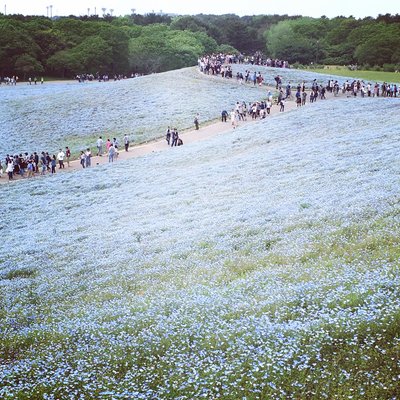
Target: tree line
66	46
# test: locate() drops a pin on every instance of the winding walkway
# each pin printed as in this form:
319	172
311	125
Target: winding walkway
208	130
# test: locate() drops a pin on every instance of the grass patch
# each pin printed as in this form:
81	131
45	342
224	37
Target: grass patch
370	76
20	273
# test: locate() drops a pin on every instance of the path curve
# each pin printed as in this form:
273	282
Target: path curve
208	130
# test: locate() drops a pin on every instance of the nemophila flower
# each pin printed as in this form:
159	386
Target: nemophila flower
238	269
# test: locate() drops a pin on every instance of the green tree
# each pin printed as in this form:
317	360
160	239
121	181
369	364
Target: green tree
160	48
380	49
117	41
26	65
188	23
285	44
94	54
14	42
65	64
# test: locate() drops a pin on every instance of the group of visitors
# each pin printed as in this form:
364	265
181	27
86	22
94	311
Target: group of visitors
370	90
9	80
255	110
111	147
30	164
41	163
219	63
82	78
172	137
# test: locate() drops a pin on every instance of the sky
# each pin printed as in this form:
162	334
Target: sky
312	8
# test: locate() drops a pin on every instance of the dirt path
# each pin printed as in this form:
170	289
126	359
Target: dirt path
205	132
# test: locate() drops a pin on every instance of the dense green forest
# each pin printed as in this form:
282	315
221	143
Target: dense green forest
66	46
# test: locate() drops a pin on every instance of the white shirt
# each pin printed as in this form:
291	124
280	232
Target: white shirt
10	167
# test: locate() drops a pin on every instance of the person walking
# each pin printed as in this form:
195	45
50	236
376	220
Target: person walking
196	122
168	136
224	114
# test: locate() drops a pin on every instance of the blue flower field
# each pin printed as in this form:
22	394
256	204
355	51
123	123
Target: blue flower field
260	264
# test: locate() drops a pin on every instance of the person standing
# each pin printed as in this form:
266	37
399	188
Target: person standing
99	145
224	114
67	154
60	158
233	118
168	136
82	159
108	144
126	142
196	122
31	168
43	162
10	170
53	164
282	104
175	137
111	153
36	161
48	161
268	106
88	158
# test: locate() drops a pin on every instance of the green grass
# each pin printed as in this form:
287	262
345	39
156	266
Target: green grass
370	76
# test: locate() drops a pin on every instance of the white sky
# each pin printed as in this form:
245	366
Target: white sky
312	8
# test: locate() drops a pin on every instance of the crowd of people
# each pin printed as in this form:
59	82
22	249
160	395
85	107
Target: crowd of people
29	165
221	65
25	165
81	78
258	58
9	80
215	64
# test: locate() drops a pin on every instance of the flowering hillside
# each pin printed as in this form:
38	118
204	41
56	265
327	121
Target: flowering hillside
54	115
47	117
261	264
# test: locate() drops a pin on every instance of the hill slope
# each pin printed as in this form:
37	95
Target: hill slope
260	264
